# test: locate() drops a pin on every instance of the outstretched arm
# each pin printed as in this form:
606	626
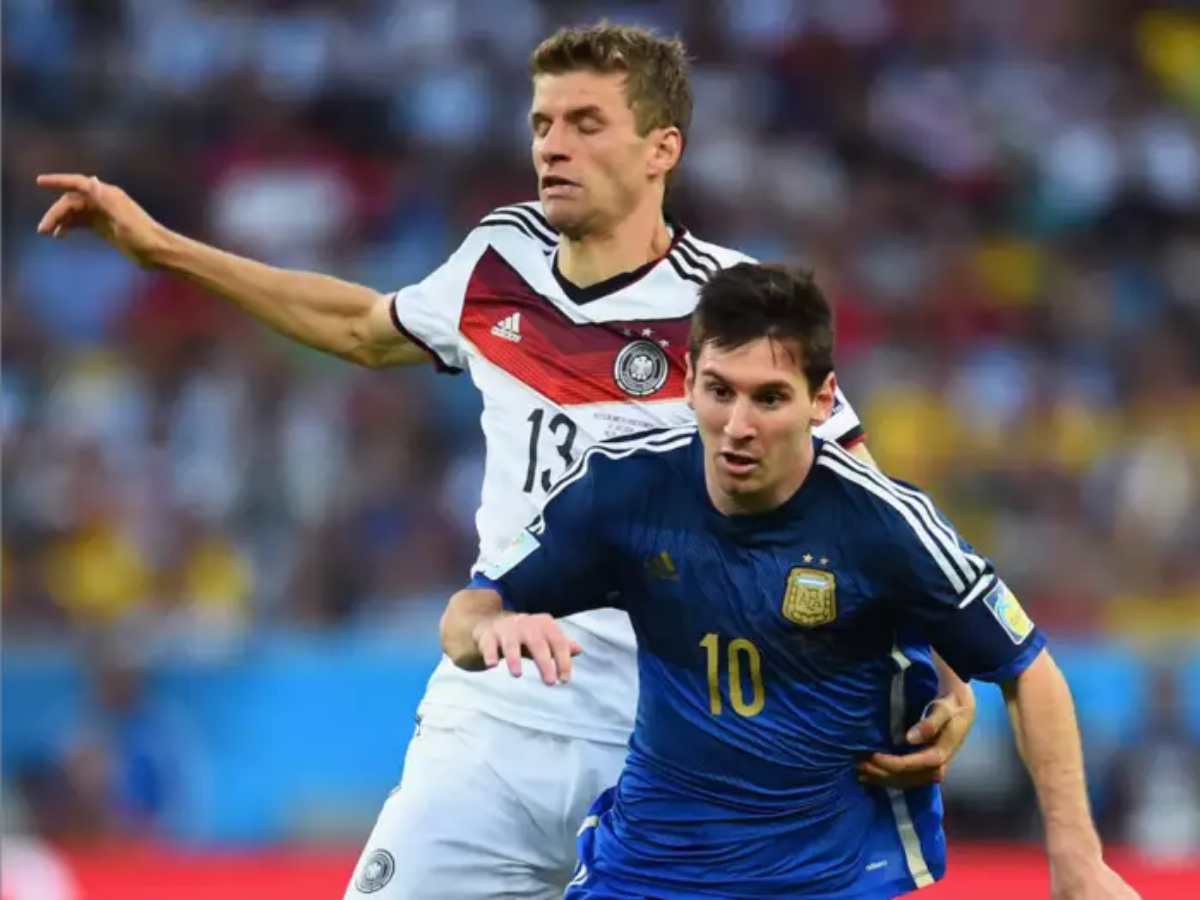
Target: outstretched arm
1047	737
477	631
338	317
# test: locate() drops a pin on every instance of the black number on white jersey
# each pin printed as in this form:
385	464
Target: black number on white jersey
561	427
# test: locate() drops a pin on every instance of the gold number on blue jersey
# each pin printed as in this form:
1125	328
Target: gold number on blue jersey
735	650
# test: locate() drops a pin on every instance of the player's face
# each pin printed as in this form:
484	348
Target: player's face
755	416
594	169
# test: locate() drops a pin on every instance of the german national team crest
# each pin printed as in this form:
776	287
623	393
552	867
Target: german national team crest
641	368
810	598
377	871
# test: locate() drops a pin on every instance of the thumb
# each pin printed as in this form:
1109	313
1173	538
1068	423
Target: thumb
937	715
922	733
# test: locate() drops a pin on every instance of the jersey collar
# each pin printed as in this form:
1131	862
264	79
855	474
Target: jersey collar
608	286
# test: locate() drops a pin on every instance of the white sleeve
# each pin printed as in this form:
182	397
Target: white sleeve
428	312
843	424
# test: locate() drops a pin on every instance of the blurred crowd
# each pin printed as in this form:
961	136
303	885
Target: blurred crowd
1002	199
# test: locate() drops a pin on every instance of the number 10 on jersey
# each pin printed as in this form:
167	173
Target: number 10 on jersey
736	651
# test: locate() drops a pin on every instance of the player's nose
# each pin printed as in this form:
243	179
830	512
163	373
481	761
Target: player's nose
552	145
740	424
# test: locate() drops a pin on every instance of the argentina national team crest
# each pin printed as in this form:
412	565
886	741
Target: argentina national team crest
810	598
641	368
376	872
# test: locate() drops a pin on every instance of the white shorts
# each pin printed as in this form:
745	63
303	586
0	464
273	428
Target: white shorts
484	809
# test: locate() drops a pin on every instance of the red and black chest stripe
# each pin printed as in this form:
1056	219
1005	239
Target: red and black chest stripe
521	331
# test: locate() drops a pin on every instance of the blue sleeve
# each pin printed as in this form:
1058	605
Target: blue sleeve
560	563
968	614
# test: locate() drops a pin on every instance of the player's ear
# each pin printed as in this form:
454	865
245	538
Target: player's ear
689	379
823	399
667	149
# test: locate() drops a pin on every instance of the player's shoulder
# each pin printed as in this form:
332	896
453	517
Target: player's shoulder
688	244
621	468
654	447
639	457
874	496
520	221
696	261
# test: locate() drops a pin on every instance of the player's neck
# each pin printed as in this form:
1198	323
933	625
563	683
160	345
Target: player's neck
597	257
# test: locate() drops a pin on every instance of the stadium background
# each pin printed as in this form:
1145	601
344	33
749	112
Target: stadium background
224	555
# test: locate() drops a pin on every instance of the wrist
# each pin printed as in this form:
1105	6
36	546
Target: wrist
1077	849
163	250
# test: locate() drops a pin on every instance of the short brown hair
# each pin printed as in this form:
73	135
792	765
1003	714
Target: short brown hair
656	68
749	301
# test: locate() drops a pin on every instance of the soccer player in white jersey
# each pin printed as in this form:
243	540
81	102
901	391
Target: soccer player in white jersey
571	315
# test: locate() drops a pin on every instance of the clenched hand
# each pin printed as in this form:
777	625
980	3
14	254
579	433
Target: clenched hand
945	724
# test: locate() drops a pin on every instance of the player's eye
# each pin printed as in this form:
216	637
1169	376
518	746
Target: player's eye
772	400
540	127
720	391
590	126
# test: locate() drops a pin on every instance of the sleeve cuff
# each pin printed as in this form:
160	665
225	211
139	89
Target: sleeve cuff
479	580
1018	664
443	367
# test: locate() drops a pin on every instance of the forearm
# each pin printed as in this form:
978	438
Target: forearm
1047	737
466	611
329	314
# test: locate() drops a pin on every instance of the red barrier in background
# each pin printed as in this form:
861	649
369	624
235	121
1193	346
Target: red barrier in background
989	872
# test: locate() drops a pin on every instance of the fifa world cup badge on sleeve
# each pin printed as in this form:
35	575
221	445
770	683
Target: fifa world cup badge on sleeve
810	598
1008	612
522	545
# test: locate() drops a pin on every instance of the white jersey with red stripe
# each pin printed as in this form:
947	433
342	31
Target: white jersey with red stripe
560	368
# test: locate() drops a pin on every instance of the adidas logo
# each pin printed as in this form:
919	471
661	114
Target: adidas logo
662	567
509	328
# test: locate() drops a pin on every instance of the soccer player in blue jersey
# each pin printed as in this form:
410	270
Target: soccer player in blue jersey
786	598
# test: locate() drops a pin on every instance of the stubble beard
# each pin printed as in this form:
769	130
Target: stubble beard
572	227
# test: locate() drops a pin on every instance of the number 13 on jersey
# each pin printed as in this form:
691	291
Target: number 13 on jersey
736	651
562	430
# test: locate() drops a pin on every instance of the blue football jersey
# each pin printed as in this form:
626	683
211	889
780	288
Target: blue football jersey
773	651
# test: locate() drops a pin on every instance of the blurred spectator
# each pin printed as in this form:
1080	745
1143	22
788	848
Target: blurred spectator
1002	199
1154	801
118	776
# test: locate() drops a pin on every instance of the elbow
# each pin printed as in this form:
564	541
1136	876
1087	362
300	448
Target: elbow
361	343
358	350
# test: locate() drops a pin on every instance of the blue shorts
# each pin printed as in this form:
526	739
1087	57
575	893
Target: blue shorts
593	880
586	883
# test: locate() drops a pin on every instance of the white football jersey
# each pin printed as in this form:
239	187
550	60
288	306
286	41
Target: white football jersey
560	368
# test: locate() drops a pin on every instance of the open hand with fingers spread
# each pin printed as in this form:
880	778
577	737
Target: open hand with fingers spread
107	210
940	733
515	635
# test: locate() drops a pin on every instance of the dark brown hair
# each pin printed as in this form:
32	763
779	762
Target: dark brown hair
750	301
